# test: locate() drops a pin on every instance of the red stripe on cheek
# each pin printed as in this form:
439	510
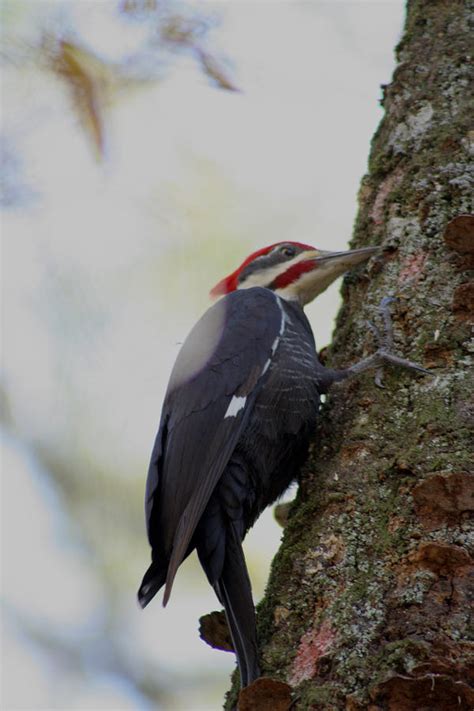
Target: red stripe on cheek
293	274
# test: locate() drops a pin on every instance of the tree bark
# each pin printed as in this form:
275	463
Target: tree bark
368	604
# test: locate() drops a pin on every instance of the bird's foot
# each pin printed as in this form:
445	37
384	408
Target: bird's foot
384	340
383	355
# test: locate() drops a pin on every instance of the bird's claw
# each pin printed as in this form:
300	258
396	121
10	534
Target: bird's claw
386	301
384	310
378	378
385	343
374	331
383	355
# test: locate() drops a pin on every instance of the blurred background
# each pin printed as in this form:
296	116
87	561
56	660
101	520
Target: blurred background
146	147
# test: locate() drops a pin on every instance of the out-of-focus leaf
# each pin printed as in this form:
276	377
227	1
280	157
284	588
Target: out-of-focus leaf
189	33
184	31
214	69
138	7
86	76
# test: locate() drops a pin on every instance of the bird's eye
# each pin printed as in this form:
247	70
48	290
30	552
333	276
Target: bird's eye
288	251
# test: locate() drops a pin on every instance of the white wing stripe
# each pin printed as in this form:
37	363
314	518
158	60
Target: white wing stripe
283	315
238	403
266	367
235	406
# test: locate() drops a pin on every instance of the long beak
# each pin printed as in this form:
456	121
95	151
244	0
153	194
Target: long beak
346	259
323	268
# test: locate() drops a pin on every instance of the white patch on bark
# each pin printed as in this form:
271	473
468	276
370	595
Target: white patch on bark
411	130
401	230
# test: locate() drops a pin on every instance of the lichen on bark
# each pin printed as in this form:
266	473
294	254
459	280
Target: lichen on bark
369	603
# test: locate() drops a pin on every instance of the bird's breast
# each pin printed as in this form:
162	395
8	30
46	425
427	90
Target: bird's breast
289	400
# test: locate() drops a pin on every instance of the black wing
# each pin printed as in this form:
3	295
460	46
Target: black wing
216	377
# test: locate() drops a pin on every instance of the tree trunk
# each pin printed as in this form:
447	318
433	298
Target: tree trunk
368	602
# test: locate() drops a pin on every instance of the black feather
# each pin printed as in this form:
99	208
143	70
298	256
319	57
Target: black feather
241	403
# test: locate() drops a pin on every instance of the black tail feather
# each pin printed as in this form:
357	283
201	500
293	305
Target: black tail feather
235	593
153	580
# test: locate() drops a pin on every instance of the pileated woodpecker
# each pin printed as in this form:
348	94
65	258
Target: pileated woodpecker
239	411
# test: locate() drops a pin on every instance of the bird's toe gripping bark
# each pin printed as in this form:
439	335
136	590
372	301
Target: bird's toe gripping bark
383	355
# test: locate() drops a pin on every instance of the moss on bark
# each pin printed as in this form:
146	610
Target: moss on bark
369	595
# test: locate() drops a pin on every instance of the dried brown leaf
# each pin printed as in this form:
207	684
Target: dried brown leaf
265	694
84	74
214	631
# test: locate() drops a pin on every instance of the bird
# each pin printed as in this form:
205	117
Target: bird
238	415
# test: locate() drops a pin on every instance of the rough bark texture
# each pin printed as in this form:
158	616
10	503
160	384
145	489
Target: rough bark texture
368	605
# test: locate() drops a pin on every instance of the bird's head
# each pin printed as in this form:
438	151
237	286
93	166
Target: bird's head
293	270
